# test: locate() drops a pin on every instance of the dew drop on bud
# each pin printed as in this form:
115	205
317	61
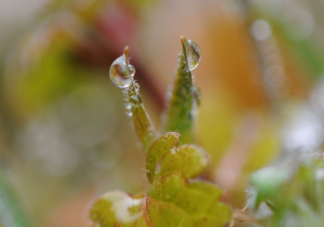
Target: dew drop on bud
121	72
193	53
137	87
135	100
131	70
128	112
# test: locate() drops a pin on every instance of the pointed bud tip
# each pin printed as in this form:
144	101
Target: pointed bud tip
183	42
182	39
126	51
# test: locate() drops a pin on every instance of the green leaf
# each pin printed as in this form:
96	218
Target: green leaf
267	181
121	74
144	127
172	199
181	107
293	193
190	160
158	148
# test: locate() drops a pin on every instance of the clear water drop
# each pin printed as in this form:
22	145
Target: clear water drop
132	70
128	110
137	86
193	53
121	73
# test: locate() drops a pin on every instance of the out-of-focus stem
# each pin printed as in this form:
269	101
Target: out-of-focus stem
11	213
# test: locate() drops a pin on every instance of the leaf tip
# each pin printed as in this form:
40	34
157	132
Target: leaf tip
184	42
126	50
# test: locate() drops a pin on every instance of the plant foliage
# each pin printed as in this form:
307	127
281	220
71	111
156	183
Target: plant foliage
289	195
175	196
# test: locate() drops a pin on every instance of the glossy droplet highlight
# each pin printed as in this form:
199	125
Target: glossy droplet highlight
137	87
135	100
132	70
128	110
121	73
193	53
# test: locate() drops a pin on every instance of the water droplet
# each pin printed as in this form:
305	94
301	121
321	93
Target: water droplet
135	100
128	107
137	87
193	53
121	73
128	110
132	70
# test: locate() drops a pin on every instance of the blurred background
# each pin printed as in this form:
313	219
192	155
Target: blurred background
64	136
